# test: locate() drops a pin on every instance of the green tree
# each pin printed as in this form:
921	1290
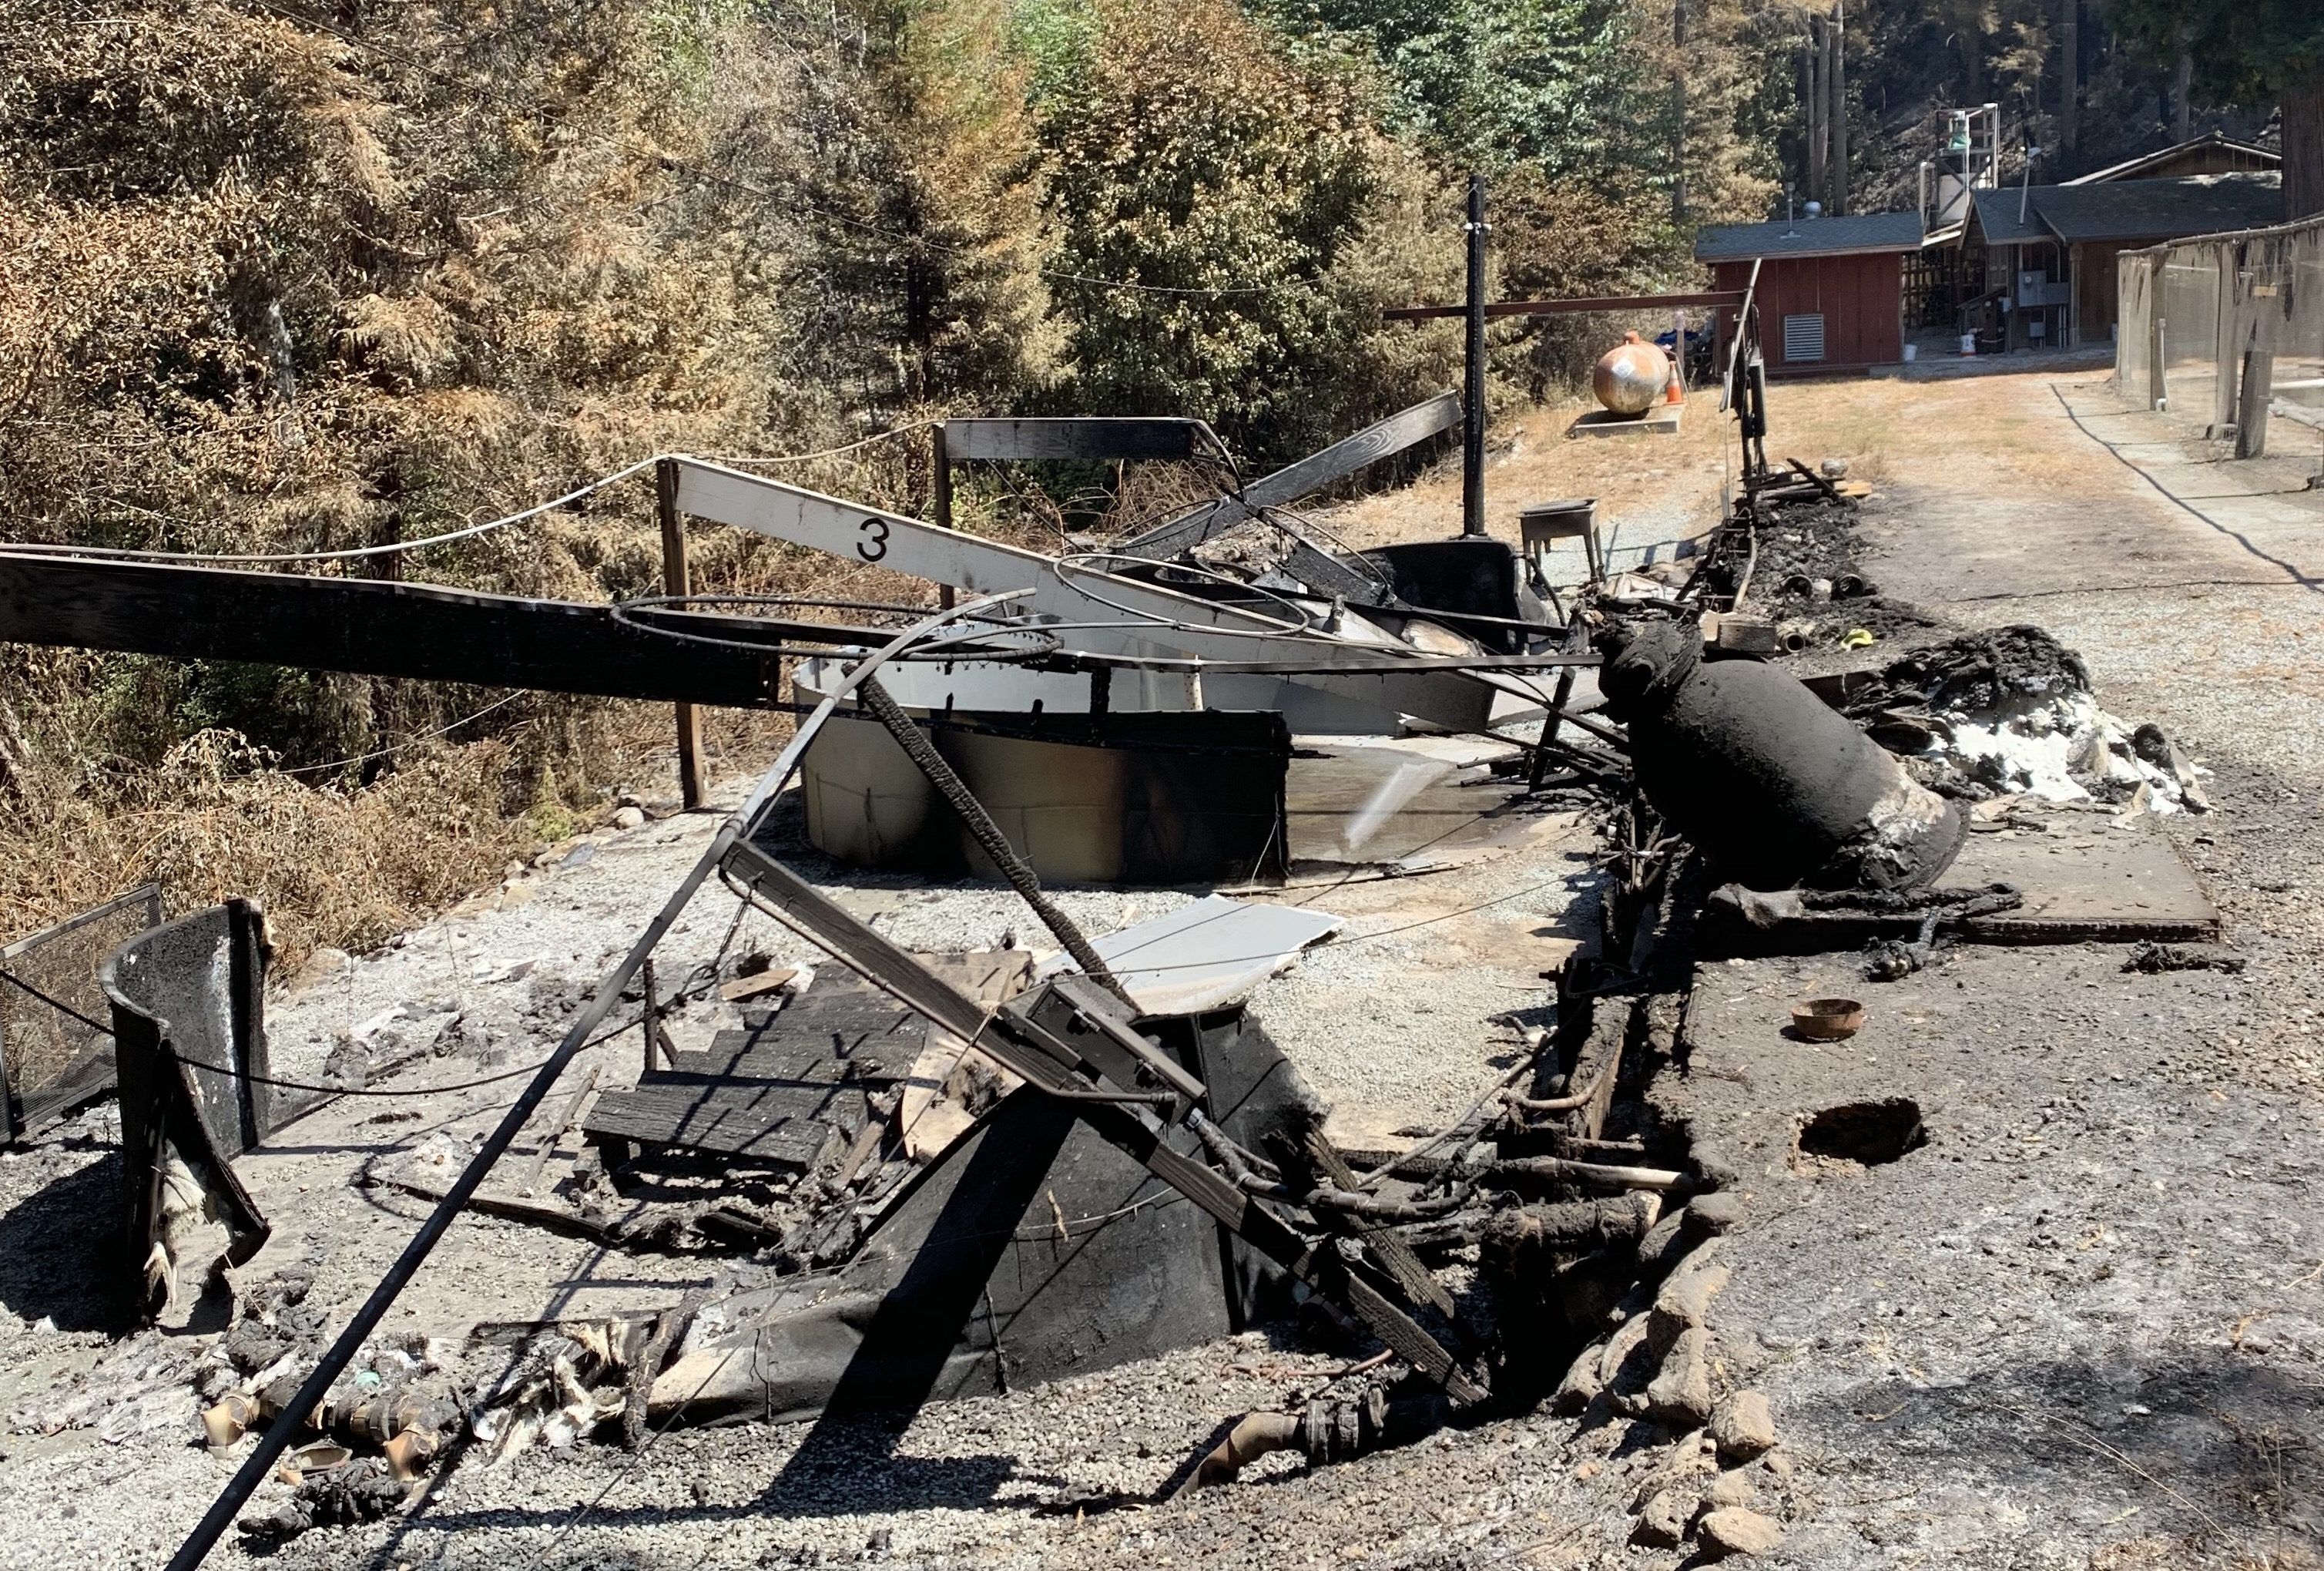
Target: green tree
2248	52
1489	83
1229	221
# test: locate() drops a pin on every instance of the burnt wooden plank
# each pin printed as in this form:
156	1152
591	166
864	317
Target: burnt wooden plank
382	628
845	1107
805	1065
1091	436
720	1120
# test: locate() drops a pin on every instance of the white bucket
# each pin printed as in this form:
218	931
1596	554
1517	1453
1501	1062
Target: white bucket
1912	353
1969	343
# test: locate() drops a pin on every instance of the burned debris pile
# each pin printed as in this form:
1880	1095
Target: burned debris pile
930	1174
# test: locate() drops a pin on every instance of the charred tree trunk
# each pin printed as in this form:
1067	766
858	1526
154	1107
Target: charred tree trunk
1811	91
2303	147
1678	111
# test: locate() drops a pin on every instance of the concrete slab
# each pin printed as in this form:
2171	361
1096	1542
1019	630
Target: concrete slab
2092	878
1663	421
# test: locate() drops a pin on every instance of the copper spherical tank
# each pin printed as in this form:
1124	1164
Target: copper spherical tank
1632	377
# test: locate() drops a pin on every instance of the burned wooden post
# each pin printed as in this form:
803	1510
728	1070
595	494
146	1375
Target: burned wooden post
674	583
940	485
648	1017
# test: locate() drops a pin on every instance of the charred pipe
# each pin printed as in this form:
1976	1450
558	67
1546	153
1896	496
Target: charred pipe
1768	782
1328	1429
1525	1232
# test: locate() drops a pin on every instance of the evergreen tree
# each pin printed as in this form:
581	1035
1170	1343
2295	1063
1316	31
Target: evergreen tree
2247	51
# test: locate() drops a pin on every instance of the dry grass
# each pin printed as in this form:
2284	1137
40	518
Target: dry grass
344	867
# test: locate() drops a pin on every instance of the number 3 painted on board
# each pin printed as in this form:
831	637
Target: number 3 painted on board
876	546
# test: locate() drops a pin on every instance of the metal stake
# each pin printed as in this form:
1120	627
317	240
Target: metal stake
1473	450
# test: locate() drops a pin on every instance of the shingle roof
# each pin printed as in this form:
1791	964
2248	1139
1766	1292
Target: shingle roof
2163	209
2254	156
1810	238
1997	215
2132	209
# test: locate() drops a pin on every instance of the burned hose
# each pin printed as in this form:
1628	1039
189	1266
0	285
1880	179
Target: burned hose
1013	867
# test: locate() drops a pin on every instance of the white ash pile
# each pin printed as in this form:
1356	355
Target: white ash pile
2010	712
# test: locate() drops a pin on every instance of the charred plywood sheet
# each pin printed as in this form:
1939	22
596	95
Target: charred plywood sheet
2083	877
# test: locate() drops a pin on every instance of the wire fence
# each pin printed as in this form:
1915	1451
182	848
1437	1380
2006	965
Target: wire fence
2227	330
54	1046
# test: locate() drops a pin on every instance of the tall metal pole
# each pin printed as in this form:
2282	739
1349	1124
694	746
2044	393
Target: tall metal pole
1472	449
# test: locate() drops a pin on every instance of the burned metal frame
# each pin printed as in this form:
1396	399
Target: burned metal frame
1373	700
1119	1114
277	1437
26	1109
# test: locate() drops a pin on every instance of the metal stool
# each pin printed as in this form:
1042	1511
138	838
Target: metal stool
1545	522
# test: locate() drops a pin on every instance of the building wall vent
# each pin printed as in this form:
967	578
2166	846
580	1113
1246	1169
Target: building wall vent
1804	337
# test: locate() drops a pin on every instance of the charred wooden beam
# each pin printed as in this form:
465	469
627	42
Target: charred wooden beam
386	628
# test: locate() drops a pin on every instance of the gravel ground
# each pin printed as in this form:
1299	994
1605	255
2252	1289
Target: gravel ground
510	966
2081	1327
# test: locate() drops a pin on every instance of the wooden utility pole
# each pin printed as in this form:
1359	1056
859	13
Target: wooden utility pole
1812	95
2069	84
674	582
1835	75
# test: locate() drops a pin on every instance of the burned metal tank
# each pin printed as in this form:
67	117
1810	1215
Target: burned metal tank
1775	788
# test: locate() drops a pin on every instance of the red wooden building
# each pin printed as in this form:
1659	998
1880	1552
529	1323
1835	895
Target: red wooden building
1831	290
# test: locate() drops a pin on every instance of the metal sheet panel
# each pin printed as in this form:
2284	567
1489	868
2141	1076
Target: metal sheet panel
1121	798
1351	705
1204	955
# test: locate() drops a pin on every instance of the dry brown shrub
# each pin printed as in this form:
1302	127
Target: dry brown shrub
347	867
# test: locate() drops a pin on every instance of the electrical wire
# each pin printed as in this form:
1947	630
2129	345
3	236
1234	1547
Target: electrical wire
357	553
351	554
408	741
58	1005
700	976
840	451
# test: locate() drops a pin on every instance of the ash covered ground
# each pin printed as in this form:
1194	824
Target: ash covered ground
2080	1323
